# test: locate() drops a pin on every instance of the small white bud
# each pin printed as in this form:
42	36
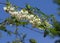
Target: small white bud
31	16
5	8
12	8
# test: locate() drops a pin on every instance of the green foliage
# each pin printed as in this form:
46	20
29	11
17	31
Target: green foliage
2	27
8	3
56	25
28	6
32	41
54	32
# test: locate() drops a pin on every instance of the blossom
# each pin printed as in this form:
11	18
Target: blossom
29	17
5	8
24	12
24	15
12	8
13	13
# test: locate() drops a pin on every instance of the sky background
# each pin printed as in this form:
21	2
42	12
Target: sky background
46	6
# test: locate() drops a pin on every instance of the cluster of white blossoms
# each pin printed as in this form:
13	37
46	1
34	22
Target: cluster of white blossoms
24	15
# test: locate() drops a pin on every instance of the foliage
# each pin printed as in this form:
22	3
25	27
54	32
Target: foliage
32	41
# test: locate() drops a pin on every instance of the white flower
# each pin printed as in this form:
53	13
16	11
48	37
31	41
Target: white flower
28	17
10	12
24	16
31	16
5	8
31	21
15	12
39	23
21	15
24	12
21	11
12	8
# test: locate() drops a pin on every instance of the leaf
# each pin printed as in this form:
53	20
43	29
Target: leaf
2	27
8	3
56	25
54	32
40	27
28	6
10	21
20	23
32	41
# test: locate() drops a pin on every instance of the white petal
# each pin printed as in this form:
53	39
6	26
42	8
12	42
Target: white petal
31	16
24	12
15	12
12	8
5	8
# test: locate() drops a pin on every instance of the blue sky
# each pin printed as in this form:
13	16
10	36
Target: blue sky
46	6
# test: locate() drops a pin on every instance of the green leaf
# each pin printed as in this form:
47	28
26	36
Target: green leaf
32	41
2	27
56	24
28	6
10	21
40	26
8	3
22	23
54	32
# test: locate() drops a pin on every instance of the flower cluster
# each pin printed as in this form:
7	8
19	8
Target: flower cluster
24	15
